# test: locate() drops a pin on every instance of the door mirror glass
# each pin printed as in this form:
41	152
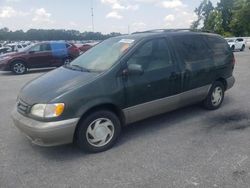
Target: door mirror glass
135	69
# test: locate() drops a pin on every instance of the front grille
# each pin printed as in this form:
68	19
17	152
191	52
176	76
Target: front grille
23	107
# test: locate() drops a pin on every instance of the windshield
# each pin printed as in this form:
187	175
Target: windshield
104	55
230	40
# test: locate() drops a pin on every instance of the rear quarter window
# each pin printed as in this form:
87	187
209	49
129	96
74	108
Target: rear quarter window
220	49
194	51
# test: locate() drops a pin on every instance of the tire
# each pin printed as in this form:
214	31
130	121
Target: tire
98	132
18	67
67	60
233	48
215	96
242	48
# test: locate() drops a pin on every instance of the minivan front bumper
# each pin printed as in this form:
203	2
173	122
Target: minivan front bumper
46	133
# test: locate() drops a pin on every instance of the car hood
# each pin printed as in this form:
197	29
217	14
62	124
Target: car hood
54	84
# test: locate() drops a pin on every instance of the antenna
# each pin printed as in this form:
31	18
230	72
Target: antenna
92	15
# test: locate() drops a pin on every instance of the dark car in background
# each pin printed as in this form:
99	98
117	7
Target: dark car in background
39	55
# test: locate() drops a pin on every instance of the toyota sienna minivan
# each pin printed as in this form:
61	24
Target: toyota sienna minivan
123	80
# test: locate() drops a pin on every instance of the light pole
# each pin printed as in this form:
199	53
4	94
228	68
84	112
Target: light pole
92	14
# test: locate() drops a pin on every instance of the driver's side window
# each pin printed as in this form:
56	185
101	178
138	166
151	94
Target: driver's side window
152	55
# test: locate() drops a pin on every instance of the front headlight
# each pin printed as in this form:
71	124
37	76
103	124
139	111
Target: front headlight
47	110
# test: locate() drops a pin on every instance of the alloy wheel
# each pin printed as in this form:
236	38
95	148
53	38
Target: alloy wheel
19	68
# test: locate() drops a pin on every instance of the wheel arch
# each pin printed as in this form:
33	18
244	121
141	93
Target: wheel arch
223	81
19	59
104	106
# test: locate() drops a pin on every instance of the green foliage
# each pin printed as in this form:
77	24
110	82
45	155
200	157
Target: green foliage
203	12
240	23
228	18
43	35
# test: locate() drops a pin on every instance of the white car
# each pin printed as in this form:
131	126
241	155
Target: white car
14	47
237	44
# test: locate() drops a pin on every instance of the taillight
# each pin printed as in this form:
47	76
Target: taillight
234	61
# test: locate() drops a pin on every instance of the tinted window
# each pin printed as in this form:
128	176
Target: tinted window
152	55
194	51
239	40
45	47
220	49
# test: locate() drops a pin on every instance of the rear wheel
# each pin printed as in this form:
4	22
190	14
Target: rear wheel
18	67
233	48
215	96
98	131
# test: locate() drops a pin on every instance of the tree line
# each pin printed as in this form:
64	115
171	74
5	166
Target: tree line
228	17
51	34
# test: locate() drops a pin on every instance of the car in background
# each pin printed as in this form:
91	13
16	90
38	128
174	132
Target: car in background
237	44
14	47
85	47
39	55
4	50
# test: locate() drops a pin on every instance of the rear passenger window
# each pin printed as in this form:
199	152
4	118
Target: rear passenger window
153	55
220	49
194	51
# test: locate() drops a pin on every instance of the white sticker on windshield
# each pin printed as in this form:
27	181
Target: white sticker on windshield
128	41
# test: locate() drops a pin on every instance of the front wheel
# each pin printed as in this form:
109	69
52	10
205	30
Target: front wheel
18	67
98	132
215	96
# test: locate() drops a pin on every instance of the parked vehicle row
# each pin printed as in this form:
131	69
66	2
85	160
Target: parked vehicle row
39	55
12	47
123	80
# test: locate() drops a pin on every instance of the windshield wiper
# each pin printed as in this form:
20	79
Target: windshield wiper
77	67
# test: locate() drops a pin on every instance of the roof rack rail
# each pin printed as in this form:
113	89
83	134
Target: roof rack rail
172	30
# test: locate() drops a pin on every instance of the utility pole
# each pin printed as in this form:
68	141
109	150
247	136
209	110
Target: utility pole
92	15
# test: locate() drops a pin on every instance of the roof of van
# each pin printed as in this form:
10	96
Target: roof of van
151	33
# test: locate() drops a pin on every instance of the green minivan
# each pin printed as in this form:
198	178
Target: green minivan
123	80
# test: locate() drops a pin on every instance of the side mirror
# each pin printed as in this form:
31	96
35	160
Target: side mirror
134	69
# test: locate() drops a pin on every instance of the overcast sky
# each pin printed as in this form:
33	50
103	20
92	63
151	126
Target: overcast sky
109	15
